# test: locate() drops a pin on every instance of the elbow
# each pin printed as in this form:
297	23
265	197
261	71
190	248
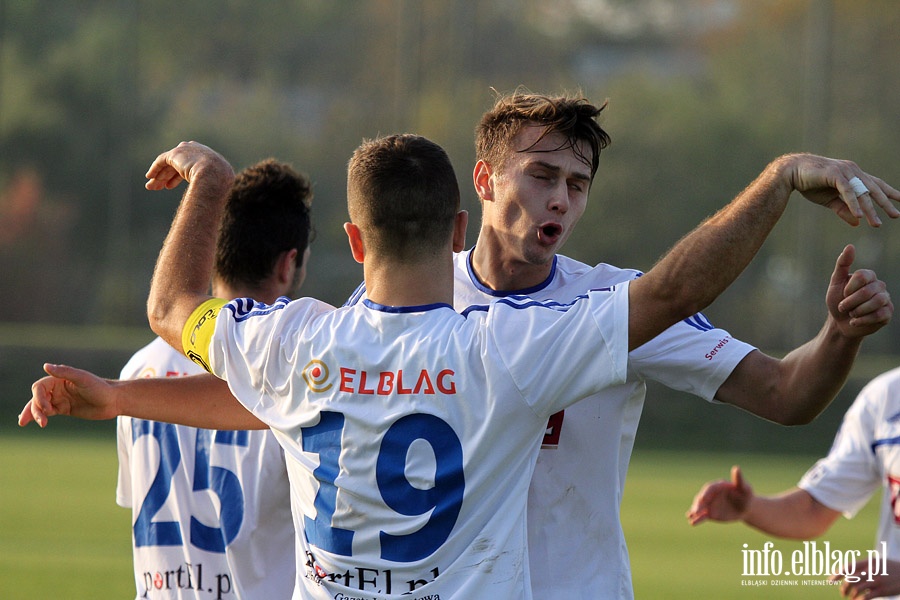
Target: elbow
802	410
795	419
155	315
789	414
158	314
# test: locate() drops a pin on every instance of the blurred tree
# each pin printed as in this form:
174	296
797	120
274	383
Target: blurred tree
703	93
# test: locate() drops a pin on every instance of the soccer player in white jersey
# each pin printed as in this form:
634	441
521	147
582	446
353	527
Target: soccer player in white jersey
211	513
864	458
410	431
533	187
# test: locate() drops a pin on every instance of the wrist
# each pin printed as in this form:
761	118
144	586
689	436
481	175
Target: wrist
746	515
838	336
215	174
117	399
783	173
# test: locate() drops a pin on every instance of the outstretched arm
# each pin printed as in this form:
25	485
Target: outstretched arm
710	258
795	389
793	514
184	267
198	401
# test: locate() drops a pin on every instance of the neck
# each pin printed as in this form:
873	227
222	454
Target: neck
428	282
499	271
263	293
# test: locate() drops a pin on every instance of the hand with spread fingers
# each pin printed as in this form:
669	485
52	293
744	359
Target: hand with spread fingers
843	187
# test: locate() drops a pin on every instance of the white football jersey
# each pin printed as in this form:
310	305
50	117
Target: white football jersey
411	433
210	509
865	456
575	539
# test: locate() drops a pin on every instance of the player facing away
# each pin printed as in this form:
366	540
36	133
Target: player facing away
410	431
864	458
537	157
211	515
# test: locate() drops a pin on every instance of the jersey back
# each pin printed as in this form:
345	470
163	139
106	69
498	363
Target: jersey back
210	509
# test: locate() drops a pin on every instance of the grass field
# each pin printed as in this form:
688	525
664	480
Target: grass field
63	537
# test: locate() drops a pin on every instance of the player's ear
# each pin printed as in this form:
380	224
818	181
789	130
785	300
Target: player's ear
286	265
481	177
354	236
459	230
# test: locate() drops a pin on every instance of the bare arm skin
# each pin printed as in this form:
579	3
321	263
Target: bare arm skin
796	389
184	267
77	393
793	514
710	258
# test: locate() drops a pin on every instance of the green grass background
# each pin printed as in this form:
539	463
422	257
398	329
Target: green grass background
63	537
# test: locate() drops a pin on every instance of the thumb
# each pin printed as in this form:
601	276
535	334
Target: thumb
842	265
737	478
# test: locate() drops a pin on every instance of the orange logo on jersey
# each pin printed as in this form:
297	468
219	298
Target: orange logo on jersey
316	375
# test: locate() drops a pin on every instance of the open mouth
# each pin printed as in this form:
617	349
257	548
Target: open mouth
549	233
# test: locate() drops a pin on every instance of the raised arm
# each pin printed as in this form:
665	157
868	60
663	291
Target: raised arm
77	393
795	389
793	514
184	267
710	258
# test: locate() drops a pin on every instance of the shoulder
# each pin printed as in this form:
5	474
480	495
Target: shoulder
571	271
889	380
880	396
248	310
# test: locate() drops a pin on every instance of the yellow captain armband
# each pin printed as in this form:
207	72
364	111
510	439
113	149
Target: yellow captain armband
198	331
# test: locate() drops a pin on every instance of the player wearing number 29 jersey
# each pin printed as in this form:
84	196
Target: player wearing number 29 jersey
210	510
574	530
410	433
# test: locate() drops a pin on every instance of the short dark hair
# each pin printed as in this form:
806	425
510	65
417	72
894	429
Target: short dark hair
403	194
572	116
267	213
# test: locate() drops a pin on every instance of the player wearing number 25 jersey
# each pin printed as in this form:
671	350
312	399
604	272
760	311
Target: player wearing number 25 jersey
210	511
410	433
576	490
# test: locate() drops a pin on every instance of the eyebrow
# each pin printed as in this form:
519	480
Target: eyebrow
580	175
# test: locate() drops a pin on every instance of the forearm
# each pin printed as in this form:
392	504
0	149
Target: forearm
183	270
793	515
199	401
793	390
813	374
710	258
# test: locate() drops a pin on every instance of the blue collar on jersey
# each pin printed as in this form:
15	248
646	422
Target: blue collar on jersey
502	293
404	309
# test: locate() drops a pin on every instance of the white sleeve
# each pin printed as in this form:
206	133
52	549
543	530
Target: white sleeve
692	356
252	350
571	352
846	478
